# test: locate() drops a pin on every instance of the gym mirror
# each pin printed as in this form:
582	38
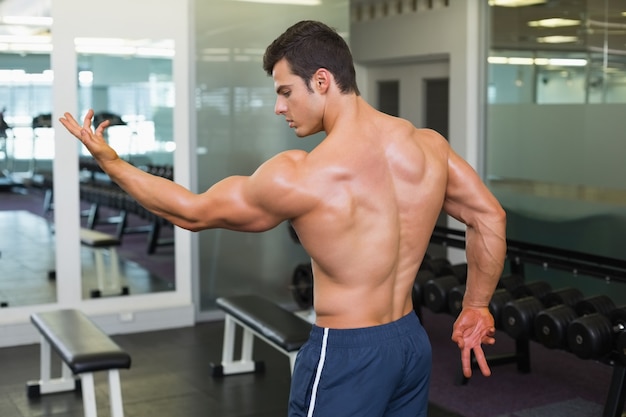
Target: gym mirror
27	249
129	83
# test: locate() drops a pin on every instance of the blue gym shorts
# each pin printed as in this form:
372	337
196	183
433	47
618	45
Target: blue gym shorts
379	371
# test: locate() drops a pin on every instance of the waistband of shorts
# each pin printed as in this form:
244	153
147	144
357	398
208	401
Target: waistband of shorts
366	335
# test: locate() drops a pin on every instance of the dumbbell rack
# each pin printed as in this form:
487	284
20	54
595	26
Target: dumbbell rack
614	405
521	253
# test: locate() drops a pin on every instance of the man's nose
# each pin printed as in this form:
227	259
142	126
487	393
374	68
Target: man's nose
279	107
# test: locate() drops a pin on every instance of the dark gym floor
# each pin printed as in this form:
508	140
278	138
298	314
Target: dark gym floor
170	376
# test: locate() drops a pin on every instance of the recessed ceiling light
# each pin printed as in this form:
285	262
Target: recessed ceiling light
563	62
292	2
567	62
27	20
554	22
557	39
515	3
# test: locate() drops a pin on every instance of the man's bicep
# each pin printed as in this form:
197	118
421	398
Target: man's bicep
261	201
233	203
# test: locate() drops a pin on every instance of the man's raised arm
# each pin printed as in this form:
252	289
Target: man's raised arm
234	203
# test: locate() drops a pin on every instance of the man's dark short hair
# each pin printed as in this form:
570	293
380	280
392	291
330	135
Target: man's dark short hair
308	46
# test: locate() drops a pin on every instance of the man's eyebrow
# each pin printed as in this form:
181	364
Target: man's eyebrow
281	87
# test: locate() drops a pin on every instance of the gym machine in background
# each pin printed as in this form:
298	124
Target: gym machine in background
7	151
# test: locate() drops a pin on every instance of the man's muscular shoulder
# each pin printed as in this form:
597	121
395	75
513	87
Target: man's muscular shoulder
279	183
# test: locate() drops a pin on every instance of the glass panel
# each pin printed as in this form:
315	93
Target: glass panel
555	123
237	131
26	152
129	83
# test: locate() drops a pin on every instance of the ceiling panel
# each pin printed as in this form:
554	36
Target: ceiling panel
602	27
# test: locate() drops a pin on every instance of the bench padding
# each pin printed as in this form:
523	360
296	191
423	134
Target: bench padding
277	324
79	342
97	239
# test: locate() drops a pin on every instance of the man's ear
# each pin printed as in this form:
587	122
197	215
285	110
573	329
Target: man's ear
322	80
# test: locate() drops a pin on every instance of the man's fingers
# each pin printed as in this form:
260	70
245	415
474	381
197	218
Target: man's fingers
70	118
466	363
102	126
87	120
488	340
71	126
85	131
482	361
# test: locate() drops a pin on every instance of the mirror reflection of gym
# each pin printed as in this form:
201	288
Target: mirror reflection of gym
27	247
125	249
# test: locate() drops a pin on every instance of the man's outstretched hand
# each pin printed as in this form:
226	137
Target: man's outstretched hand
94	140
472	328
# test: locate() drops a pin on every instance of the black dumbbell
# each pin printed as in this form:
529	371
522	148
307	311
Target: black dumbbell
551	324
435	265
591	335
436	292
518	315
455	299
422	277
568	296
500	297
458	270
597	304
452	301
537	289
510	282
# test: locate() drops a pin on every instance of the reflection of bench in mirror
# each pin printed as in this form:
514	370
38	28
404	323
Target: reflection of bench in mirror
108	278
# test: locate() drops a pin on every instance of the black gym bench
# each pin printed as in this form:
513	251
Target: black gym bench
83	349
259	317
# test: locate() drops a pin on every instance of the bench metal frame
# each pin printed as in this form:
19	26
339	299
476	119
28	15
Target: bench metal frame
67	382
109	279
245	364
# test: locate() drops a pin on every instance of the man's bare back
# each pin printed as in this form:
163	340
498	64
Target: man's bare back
378	193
